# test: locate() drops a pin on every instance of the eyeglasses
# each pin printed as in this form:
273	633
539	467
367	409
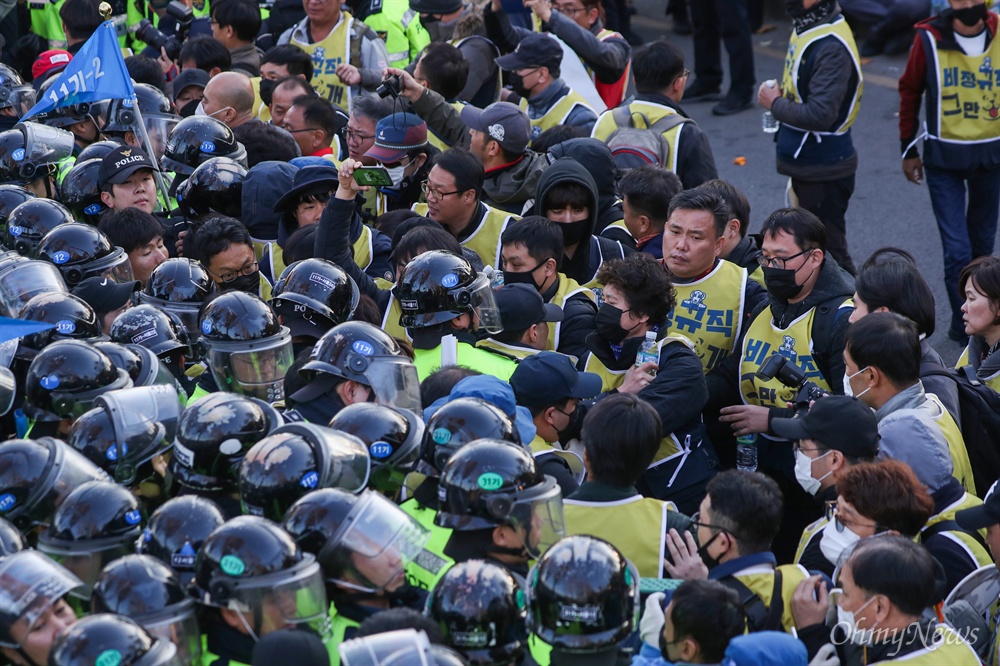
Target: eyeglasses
357	137
304	129
566	9
779	262
797	447
832	513
229	276
697	523
433	192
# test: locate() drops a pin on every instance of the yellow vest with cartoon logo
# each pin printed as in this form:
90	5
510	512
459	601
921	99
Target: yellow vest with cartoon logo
326	54
390	320
653	112
795	343
967	105
956	445
709	312
762	584
993	381
485	240
798	44
946	648
437	141
431	563
637	526
557	113
567	288
811	530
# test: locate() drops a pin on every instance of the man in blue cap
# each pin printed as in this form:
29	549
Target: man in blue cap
401	146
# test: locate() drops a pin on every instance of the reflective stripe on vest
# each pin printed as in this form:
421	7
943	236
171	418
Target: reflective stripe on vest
429	360
556	114
516	351
431	563
709	312
810	531
485	240
326	54
606	124
637	526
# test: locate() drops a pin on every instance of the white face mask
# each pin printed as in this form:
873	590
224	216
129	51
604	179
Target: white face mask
200	111
396	174
803	472
836	544
847	383
846	621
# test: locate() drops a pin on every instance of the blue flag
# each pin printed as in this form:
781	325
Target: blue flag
12	329
97	72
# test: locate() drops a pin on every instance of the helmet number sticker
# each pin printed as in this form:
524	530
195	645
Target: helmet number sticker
441	435
65	327
18	155
7	502
92	209
363	348
381	449
449	280
206	326
108	658
50	382
490	481
112	452
230	447
133	517
60	257
309	480
232	565
207	147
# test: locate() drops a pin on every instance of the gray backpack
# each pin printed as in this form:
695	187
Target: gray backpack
633	146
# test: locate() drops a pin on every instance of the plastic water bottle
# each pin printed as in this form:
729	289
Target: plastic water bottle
495	276
746	453
768	122
648	351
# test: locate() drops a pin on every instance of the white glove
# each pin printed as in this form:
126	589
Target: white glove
827	656
651	624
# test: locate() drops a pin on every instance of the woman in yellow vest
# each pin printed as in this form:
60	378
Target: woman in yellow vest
980	285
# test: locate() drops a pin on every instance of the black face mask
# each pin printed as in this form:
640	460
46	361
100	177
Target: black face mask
188	109
781	283
248	283
524	277
663	647
971	16
573	232
429	18
573	428
608	324
266	90
710	562
517	85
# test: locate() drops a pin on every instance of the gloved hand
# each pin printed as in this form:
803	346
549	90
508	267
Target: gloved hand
651	624
827	656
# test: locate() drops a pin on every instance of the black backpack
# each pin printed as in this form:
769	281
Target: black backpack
980	408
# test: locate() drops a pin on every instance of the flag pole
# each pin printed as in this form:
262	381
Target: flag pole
139	129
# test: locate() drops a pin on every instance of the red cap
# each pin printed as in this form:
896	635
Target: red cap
48	61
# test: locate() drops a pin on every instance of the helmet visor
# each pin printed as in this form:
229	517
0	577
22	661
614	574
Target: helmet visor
181	629
409	645
133	410
159	129
380	540
25	281
44	145
120	272
29	584
484	305
21	99
86	559
7	351
70	470
257	373
394	381
540	516
285	599
347	462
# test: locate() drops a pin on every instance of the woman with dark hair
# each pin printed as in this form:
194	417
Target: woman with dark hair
979	283
889	281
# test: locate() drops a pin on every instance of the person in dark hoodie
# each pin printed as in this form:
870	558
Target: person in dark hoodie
567	195
805	320
264	184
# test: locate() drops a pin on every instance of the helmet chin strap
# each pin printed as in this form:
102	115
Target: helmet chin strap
246	626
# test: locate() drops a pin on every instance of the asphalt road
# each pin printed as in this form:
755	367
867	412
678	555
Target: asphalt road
886	209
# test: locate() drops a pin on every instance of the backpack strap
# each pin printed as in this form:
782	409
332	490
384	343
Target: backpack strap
667	123
827	315
759	616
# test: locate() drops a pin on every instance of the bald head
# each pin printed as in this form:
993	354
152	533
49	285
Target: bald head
229	97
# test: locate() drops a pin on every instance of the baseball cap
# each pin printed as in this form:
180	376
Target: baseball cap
535	50
838	422
120	163
48	63
521	306
502	122
187	78
105	295
549	377
396	135
982	516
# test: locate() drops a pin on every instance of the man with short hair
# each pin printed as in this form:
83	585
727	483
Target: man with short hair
285	92
189	88
229	97
126	179
285	60
660	78
312	122
225	249
836	433
366	111
207	54
714	297
740	247
526	318
441	68
533	69
140	235
236	23
646	194
79	19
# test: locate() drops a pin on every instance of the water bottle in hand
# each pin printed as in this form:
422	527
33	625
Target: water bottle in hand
746	453
648	351
768	122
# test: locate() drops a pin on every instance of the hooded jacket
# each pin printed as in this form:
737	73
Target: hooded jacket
592	251
746	252
511	187
984	368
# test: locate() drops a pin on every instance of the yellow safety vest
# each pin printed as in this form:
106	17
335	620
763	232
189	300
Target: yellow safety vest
488	363
973	548
948	647
390	320
339	625
709	312
485	240
263	113
520	353
811	530
964	85
637	526
431	563
799	44
654	112
540	448
956	444
437	141
762	584
566	288
327	53
993	381
794	343
557	113
45	22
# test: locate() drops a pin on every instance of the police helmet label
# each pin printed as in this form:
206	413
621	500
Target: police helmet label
92	209
206	327
490	481
207	147
16	230
142	336
232	565
60	257
7	502
127	103
65	327
408	305
473	640
184	455
112	452
230	447
441	435
574	613
184	559
50	382
449	280
381	449
363	348
108	658
18	155
133	517
323	280
309	480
